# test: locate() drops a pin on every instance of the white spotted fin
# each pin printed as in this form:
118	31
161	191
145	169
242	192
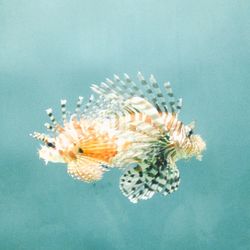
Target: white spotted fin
144	180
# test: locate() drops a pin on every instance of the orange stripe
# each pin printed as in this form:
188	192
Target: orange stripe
169	125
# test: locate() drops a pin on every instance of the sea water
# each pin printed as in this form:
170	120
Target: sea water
51	50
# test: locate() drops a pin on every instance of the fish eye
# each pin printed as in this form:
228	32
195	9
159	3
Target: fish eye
51	145
80	151
190	132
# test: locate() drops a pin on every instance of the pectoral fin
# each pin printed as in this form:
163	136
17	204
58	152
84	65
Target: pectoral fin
143	181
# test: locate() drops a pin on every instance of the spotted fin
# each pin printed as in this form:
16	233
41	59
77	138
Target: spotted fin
143	181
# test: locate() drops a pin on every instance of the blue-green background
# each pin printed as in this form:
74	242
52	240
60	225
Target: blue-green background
55	49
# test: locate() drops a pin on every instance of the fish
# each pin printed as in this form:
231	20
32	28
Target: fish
130	125
158	137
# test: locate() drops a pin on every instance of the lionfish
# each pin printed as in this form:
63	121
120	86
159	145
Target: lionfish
132	126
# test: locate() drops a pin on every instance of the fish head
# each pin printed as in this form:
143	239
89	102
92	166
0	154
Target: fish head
191	145
194	144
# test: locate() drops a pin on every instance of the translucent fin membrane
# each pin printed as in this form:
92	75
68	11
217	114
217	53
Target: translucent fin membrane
49	127
121	90
124	88
116	87
136	91
78	105
96	107
148	90
179	105
51	116
63	110
158	98
88	105
54	126
41	137
86	169
146	108
175	105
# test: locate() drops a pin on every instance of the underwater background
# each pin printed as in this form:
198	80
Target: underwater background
50	50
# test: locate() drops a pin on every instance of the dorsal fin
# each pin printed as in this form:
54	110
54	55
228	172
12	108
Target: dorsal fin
78	105
121	90
63	110
145	107
158	98
49	112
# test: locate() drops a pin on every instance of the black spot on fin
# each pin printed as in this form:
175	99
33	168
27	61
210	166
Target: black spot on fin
143	181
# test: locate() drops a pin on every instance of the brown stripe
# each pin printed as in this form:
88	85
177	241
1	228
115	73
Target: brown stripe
169	125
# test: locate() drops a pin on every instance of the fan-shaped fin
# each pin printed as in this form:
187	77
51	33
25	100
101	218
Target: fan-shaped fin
86	169
143	181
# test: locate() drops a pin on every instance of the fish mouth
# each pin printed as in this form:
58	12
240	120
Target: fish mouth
194	146
199	146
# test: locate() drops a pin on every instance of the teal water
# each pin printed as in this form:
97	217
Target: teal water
55	49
